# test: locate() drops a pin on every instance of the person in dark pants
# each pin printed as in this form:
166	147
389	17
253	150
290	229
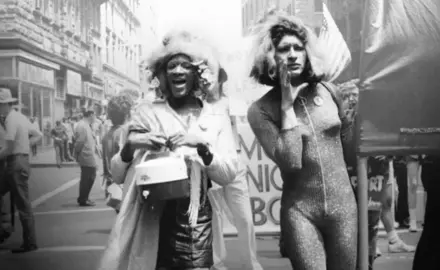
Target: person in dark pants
428	251
59	135
5	228
19	137
402	210
86	154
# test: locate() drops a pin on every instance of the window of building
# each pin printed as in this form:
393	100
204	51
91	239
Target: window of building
39	5
255	9
72	13
83	21
60	93
99	60
113	16
118	52
132	63
113	50
46	103
319	6
26	90
251	8
50	11
248	14
107	51
127	60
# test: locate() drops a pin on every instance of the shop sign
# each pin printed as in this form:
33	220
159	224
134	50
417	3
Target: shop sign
94	91
110	87
74	83
35	74
265	183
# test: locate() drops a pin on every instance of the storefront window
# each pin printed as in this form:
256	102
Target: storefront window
46	104
36	104
36	109
26	100
6	67
46	113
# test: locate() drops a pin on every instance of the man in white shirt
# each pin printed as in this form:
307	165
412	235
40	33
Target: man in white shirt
19	136
3	211
87	155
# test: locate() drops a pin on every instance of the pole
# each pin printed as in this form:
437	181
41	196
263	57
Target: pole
362	189
362	192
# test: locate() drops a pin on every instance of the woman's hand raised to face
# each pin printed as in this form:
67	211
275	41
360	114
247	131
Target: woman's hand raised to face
289	93
152	140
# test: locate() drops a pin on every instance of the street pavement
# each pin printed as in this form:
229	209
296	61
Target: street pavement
71	238
46	159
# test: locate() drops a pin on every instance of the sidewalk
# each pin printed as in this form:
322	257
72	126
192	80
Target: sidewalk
46	158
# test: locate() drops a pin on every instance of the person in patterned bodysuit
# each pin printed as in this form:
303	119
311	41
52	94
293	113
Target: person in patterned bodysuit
301	127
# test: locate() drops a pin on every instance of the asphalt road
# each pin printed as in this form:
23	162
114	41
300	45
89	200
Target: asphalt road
72	238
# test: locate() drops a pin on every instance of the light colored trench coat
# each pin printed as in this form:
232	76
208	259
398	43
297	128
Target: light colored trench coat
133	242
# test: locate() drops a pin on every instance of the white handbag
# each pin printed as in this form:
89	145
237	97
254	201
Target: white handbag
115	194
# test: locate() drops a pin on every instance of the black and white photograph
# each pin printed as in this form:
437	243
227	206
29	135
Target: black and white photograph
219	134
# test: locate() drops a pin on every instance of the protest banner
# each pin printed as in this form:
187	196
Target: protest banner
264	181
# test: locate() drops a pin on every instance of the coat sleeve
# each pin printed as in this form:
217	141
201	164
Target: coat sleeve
284	147
119	169
225	165
80	139
141	119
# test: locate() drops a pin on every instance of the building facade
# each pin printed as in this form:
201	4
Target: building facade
121	45
310	11
149	41
48	50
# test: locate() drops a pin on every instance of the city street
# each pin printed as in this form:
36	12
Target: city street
73	238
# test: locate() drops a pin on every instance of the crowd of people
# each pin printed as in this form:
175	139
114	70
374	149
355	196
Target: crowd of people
304	124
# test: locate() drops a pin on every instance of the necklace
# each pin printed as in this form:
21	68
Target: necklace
190	115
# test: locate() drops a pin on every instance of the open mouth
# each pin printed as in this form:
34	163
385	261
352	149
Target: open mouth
180	82
293	66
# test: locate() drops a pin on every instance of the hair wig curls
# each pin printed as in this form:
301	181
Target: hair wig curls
119	107
184	42
268	33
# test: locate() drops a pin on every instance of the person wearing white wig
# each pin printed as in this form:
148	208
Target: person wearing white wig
233	202
302	128
152	234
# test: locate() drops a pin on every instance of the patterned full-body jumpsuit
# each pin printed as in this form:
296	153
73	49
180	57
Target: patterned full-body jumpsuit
318	206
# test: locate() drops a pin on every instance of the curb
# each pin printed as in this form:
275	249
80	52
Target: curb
54	165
